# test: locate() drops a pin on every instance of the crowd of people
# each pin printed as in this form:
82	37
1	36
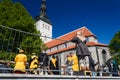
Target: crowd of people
74	66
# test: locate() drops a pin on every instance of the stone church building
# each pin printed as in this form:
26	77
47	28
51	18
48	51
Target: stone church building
62	45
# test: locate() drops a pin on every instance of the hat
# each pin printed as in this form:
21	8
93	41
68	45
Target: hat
21	51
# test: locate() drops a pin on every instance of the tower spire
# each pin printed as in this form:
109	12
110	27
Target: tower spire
43	15
43	8
43	23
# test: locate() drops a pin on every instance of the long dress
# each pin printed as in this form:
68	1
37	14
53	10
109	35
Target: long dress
20	64
53	66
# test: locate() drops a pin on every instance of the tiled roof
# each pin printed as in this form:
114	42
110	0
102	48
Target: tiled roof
68	37
95	44
73	46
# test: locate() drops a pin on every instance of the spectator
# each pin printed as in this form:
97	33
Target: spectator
115	68
4	68
106	70
92	65
68	63
44	60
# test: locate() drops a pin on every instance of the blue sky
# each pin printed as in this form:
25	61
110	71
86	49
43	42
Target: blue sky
102	17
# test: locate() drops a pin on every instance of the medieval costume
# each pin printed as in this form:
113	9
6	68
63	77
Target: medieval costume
81	48
75	66
20	62
33	64
53	65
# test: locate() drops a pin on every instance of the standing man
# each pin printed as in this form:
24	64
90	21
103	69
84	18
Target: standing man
20	63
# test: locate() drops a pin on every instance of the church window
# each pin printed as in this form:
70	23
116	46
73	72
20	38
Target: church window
43	25
70	44
45	38
104	55
48	27
65	45
61	46
54	49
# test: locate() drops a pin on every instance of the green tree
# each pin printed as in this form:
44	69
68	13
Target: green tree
115	46
15	16
33	44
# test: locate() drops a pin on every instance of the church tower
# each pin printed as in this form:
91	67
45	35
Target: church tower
43	24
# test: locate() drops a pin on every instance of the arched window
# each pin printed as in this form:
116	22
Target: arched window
104	53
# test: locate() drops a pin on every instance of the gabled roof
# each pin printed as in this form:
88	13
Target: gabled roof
73	46
69	36
96	44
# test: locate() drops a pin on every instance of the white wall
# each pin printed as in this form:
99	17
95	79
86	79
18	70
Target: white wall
45	30
92	39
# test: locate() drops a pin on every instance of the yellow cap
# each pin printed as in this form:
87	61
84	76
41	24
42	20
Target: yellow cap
21	51
34	57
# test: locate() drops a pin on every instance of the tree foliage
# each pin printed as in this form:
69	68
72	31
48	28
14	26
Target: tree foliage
115	46
15	16
30	44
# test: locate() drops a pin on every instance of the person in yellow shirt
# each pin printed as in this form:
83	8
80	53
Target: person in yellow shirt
75	66
34	64
20	63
